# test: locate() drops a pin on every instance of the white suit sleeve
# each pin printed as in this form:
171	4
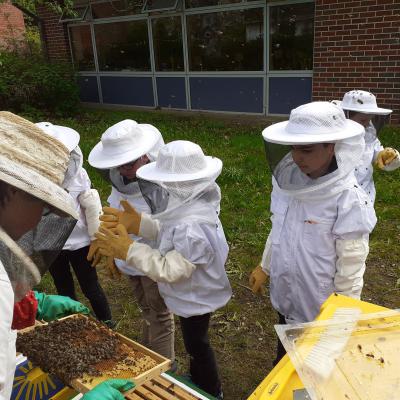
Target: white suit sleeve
149	227
377	149
350	266
90	202
172	267
266	257
394	164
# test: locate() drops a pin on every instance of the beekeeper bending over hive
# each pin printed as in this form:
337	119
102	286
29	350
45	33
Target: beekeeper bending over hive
36	218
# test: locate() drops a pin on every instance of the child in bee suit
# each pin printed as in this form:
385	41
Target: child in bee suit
321	218
74	253
191	250
34	210
124	147
361	106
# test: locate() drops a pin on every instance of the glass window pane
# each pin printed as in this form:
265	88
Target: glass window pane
123	46
76	14
82	49
167	38
291	37
157	5
116	8
226	41
208	3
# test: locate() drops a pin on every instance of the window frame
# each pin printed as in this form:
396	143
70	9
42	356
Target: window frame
266	73
63	20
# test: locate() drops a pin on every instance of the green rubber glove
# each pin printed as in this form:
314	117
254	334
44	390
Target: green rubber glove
51	307
109	390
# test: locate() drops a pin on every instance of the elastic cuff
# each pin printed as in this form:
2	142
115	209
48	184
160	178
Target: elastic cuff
149	227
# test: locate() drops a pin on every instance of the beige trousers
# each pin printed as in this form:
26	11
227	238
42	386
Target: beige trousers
158	322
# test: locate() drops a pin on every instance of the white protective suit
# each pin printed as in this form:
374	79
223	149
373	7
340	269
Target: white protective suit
137	201
86	200
318	244
191	251
303	251
7	336
364	170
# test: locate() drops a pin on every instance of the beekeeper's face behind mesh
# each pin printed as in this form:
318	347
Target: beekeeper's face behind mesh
182	173
30	191
128	170
19	211
315	148
313	160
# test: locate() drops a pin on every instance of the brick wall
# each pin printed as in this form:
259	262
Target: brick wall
12	26
56	35
357	46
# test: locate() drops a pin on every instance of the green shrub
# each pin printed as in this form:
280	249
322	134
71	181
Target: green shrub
30	82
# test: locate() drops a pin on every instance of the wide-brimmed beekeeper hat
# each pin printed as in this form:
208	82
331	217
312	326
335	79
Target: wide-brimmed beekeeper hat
316	122
181	161
122	143
34	162
67	136
363	102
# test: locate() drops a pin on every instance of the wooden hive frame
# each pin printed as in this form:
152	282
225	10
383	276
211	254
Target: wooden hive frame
160	388
85	384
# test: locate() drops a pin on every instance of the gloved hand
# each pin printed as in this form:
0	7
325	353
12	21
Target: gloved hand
109	390
99	259
257	280
114	242
51	307
129	218
25	311
385	157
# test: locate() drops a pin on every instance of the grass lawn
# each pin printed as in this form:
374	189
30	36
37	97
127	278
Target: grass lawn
242	332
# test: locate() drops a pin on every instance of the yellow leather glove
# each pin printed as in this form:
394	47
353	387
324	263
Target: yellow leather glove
385	157
114	242
129	218
257	280
99	260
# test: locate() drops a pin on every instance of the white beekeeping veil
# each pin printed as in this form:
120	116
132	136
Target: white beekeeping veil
124	143
364	102
313	123
181	183
35	163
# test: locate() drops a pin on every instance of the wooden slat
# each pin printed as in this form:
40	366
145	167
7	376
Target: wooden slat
147	394
179	392
161	392
133	396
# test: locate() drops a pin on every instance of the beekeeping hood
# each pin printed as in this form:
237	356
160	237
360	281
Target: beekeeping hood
123	143
312	123
70	139
180	185
35	163
365	102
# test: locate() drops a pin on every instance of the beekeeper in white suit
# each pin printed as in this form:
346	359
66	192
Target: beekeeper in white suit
361	106
123	149
37	214
191	250
321	219
88	206
32	167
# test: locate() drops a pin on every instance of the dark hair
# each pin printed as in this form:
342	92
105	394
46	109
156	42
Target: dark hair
4	193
